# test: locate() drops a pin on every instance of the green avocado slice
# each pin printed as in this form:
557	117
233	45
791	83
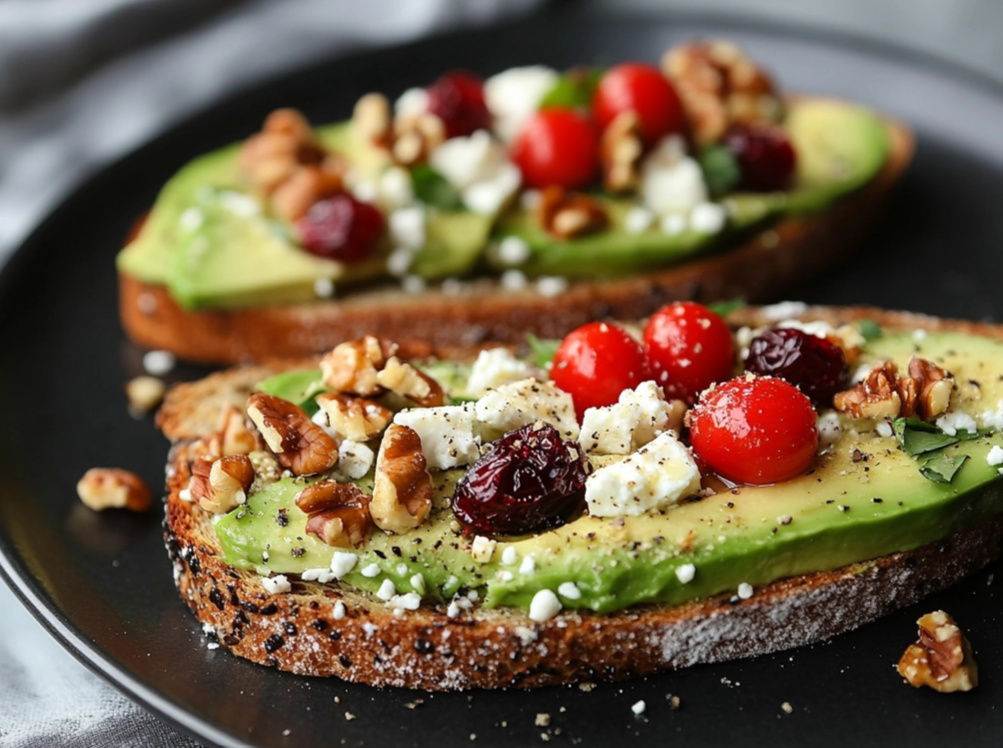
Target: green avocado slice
866	498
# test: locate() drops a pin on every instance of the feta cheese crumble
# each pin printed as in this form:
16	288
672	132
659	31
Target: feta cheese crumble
954	421
686	573
670	181
446	433
514	405
276	585
514	95
569	590
495	367
639	707
386	591
995	456
482	549
343	562
640	415
745	590
544	606
158	363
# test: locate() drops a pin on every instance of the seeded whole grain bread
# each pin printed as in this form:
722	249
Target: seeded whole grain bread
426	649
757	269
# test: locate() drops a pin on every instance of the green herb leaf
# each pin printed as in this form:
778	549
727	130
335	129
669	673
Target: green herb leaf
543	350
720	170
869	329
726	307
434	189
574	89
918	437
942	467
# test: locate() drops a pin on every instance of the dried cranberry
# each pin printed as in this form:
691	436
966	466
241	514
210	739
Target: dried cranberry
341	228
765	156
815	365
457	98
530	479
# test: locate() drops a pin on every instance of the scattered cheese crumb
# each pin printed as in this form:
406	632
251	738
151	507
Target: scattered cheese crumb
276	585
707	218
386	591
526	635
513	280
954	421
544	606
510	555
745	590
513	251
638	220
551	285
884	429
685	573
639	707
995	456
373	570
339	610
569	590
158	363
343	562
482	549
528	565
323	288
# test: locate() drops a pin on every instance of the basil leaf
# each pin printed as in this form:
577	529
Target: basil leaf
543	350
917	437
726	307
941	467
434	189
720	170
573	90
869	329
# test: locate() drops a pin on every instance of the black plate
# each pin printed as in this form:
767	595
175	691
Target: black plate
102	584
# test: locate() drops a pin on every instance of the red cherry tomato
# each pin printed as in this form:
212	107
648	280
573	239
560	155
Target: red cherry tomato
643	89
688	349
755	430
596	362
557	146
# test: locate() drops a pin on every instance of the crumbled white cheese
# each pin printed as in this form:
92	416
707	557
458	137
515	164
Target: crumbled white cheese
640	415
323	288
364	190
707	218
514	95
995	456
482	549
670	181
399	261
829	429
339	610
544	606
639	707
638	220
418	584
513	280
551	285
655	477
745	590
818	328
354	459
453	610
992	419
513	250
370	571
488	196
783	310
343	562
318	575
514	405
387	590
685	573
412	102
396	188
413	284
673	224
505	576
446	433
569	590
528	565
478	167
954	421
158	363
884	429
407	227
526	634
510	555
495	367
408	601
276	585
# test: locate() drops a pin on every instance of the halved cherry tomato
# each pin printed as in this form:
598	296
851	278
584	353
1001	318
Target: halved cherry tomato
596	362
643	89
557	146
689	347
755	430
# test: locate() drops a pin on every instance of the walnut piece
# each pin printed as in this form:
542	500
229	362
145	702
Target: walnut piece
355	418
114	488
339	513
620	152
298	443
926	392
352	366
405	380
144	394
565	214
371	120
720	86
232	436
942	658
221	484
402	492
415	137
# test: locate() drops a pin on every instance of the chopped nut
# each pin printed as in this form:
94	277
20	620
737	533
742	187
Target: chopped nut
926	392
620	152
114	488
402	492
219	485
415	137
339	513
233	437
405	380
567	214
942	658
298	443
307	185
876	397
371	119
355	418
934	386
719	86
352	366
144	393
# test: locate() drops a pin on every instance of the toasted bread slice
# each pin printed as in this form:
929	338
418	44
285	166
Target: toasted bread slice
791	251
334	629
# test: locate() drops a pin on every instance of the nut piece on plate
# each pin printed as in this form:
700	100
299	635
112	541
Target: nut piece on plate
403	379
565	214
352	366
338	513
114	488
720	86
144	394
926	392
942	658
402	491
299	444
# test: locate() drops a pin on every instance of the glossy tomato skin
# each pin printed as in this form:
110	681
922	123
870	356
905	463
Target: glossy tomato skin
755	430
689	347
596	362
557	147
643	89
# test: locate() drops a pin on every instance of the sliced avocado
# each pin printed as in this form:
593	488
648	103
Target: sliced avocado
865	499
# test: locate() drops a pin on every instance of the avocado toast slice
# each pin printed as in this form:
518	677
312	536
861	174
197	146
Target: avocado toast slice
725	573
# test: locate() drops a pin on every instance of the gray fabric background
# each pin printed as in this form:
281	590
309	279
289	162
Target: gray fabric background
84	82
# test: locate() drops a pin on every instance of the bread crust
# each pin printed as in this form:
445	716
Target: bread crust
481	648
788	252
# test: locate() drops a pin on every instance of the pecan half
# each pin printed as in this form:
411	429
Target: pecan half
926	392
298	443
566	214
219	485
719	86
402	492
405	380
942	658
355	418
339	513
352	366
114	488
415	137
620	152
